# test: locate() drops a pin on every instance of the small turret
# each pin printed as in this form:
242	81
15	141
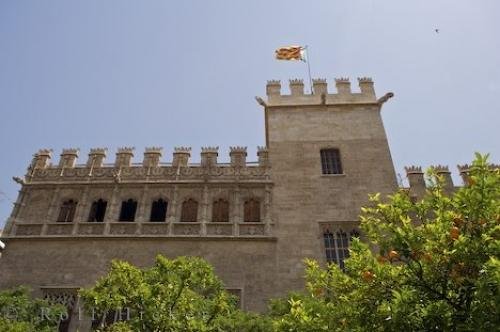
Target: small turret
273	89
41	159
68	158
152	157
263	155
124	157
209	156
464	173
181	156
416	179
96	157
343	86
366	86
238	156
445	173
320	86
297	87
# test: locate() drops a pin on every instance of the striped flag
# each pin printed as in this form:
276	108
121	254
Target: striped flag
290	53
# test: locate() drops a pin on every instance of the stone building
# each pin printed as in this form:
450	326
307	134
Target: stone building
254	222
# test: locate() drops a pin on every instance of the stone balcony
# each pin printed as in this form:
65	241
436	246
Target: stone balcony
143	229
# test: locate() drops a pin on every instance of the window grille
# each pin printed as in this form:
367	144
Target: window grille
189	212
251	211
220	211
337	246
330	161
67	211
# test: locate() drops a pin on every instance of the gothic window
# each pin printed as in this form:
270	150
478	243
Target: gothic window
127	212
220	211
330	161
251	211
337	246
189	212
97	211
158	210
67	211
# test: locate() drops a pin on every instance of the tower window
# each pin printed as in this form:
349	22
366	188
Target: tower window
158	210
337	246
97	211
127	212
220	211
67	211
251	211
330	161
189	212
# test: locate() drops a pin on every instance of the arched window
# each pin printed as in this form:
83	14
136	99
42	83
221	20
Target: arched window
337	246
220	211
67	211
330	161
127	212
251	211
189	212
158	210
97	211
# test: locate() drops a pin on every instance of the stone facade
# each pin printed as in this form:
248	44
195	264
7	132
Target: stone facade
278	208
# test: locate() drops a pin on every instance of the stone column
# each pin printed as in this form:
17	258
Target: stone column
172	212
236	210
81	209
142	210
204	211
111	212
52	207
267	211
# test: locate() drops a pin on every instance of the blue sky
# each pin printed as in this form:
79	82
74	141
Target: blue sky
147	73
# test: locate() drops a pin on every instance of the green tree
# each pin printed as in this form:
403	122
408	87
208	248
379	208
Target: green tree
19	312
427	265
181	294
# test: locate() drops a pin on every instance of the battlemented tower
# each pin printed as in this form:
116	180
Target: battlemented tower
254	221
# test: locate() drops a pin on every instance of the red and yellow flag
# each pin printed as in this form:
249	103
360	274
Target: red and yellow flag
290	53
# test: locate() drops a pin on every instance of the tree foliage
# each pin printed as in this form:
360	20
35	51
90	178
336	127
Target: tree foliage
181	294
19	312
427	265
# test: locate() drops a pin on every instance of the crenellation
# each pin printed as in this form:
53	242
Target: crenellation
238	156
124	157
416	180
41	159
320	95
96	157
68	158
366	86
320	86
152	156
343	86
413	169
263	155
209	156
296	87
273	88
181	156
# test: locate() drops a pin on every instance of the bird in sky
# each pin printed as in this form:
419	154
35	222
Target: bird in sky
437	30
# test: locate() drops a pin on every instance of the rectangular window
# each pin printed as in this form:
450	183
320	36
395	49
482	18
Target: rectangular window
330	161
337	246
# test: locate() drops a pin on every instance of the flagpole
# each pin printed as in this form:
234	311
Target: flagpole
309	69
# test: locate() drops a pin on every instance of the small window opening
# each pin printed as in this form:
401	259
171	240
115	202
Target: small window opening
158	211
128	210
